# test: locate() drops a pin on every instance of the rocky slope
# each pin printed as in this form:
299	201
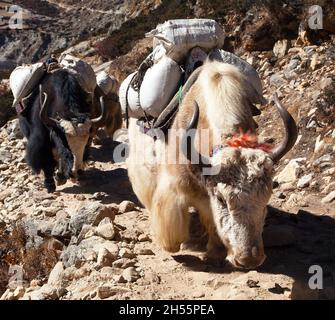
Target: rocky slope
93	240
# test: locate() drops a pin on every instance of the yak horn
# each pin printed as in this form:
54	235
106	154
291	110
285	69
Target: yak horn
102	116
291	132
44	112
188	139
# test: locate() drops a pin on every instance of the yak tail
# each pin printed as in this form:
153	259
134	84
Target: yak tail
224	90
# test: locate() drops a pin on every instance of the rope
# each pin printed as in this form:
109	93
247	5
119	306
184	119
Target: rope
136	82
127	101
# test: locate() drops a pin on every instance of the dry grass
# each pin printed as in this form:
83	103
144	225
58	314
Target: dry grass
36	261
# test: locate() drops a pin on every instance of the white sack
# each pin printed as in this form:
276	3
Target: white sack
82	71
134	111
24	79
179	36
107	83
159	85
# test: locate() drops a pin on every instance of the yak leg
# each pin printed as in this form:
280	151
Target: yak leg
170	218
216	251
49	182
24	126
115	123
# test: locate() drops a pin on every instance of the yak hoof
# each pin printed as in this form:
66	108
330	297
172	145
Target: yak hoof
50	185
216	256
214	260
60	179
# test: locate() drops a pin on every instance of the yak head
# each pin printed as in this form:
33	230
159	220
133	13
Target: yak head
239	184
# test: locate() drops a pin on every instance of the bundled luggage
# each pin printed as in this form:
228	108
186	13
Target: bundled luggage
107	83
159	85
179	47
180	36
81	70
24	79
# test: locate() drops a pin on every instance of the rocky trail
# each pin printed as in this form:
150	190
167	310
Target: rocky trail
92	240
102	236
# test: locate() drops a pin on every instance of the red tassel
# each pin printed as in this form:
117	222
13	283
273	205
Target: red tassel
248	140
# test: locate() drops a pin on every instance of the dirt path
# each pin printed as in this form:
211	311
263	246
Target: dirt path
295	242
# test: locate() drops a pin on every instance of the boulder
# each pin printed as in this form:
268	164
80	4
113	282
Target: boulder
92	214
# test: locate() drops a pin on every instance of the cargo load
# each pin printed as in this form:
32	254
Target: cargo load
24	79
81	70
108	84
159	85
179	48
180	36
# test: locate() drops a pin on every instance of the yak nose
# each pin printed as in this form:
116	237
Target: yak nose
250	260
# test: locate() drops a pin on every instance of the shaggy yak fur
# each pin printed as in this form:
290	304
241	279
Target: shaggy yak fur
47	145
231	198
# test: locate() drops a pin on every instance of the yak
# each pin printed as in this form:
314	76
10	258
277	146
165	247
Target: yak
112	116
56	123
225	175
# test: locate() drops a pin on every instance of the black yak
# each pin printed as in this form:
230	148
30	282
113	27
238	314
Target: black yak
57	124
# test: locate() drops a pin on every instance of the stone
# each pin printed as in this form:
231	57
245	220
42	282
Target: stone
5	194
305	181
124	263
106	229
130	274
322	161
105	258
293	64
329	198
126	206
314	61
319	144
5	156
56	274
330	187
145	252
277	80
113	248
289	186
91	214
143	238
107	270
18	293
14	130
86	232
119	279
296	200
106	291
290	173
278	236
280	195
126	253
324	83
74	254
61	229
46	292
281	48
7	295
